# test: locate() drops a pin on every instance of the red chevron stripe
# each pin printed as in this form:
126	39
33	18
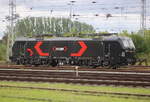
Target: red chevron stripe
30	51
81	51
38	49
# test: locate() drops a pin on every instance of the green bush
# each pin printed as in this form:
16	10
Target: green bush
142	43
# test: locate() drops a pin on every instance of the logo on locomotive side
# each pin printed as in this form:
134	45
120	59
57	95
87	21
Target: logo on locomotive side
60	48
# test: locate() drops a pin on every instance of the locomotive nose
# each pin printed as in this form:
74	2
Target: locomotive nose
130	56
128	44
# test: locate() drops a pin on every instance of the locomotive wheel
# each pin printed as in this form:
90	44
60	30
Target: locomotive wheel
18	62
36	65
106	63
114	66
94	66
54	63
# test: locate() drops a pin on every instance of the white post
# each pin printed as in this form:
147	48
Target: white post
76	70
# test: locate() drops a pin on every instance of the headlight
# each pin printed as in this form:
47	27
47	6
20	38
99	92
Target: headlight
123	54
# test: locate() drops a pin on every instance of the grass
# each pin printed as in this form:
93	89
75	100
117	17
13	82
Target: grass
137	90
56	96
28	95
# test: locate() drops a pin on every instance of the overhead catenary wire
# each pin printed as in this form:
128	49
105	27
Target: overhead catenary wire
80	8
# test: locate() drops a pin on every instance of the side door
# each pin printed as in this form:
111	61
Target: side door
106	53
107	47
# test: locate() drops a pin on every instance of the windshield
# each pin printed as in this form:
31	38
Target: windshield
128	43
125	43
131	43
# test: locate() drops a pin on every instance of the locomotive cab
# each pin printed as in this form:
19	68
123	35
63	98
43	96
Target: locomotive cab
128	51
118	51
128	43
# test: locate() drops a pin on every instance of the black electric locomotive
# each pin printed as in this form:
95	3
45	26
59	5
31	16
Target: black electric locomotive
112	51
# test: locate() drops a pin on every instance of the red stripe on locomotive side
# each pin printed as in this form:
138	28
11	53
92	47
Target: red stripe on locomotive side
81	51
30	51
38	49
65	48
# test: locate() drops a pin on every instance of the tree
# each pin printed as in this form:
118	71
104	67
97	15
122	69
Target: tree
32	26
140	43
2	52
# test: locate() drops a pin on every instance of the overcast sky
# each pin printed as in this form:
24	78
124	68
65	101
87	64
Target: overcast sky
125	13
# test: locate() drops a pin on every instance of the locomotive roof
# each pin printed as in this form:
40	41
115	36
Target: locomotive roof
54	39
116	38
110	38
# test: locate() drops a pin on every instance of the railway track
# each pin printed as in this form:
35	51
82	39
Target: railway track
137	68
26	98
82	77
